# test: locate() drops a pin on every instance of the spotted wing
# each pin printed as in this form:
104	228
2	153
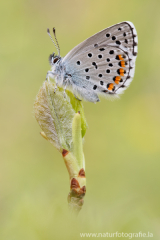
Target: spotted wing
105	62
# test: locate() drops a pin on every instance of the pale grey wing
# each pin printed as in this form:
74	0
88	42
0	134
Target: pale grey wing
106	60
107	71
83	89
124	32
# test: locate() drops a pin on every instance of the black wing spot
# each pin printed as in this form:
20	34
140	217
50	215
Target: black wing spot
111	52
110	64
108	35
124	34
119	29
94	87
108	71
126	41
89	54
78	62
101	82
135	54
87	77
99	56
114	38
101	49
87	70
118	42
108	60
100	75
95	45
95	65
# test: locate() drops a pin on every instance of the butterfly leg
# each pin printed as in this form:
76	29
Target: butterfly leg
47	76
65	86
56	84
77	98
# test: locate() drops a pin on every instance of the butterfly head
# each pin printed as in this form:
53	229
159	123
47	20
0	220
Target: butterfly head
53	58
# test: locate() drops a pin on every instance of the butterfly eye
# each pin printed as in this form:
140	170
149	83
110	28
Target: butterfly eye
55	60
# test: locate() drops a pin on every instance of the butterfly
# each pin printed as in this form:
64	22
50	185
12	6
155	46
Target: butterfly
103	64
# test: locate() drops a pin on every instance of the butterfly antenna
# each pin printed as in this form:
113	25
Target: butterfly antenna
48	31
54	32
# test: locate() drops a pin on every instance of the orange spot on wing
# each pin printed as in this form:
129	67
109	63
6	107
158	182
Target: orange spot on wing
110	87
121	71
120	57
117	79
122	60
122	63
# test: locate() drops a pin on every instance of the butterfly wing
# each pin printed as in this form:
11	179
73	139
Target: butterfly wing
103	63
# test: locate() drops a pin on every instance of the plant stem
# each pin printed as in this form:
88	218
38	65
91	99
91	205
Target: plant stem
75	165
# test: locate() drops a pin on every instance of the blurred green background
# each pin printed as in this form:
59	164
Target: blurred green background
122	143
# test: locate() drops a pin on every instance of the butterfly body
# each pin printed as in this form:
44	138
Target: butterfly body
103	64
